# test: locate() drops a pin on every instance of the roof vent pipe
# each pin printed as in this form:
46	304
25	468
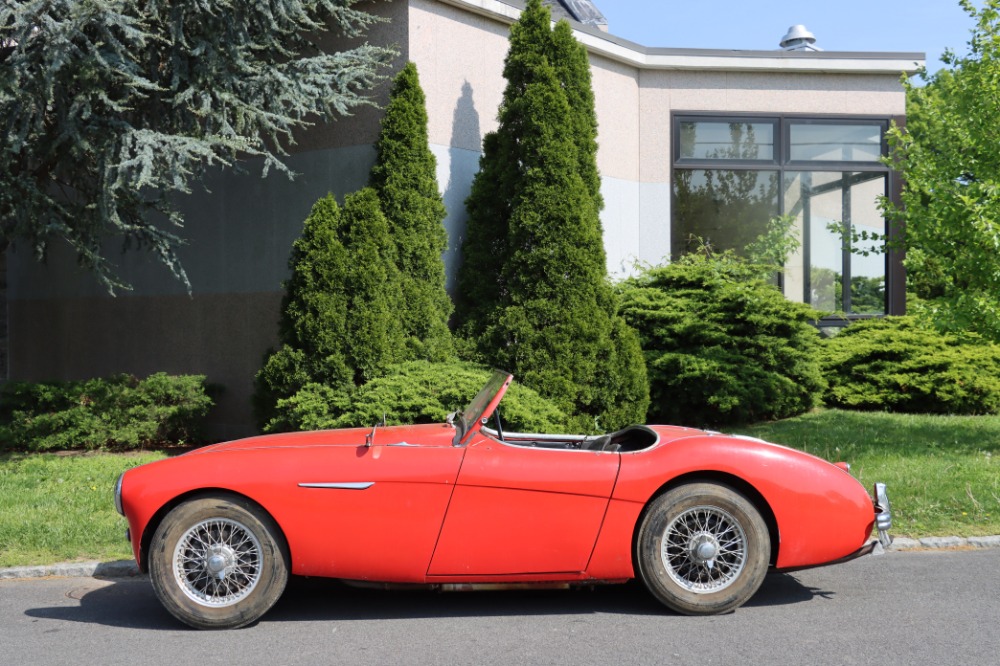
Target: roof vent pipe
799	39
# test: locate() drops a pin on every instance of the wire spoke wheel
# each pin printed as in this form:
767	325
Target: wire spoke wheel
702	548
217	562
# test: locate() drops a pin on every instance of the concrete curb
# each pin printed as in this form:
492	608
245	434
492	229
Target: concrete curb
129	569
116	569
945	543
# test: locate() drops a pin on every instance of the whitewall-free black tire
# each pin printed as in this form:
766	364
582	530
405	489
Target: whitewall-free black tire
702	549
218	562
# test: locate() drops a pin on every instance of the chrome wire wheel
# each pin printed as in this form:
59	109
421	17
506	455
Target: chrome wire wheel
217	562
704	549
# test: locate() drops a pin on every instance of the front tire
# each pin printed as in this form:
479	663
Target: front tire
218	563
702	549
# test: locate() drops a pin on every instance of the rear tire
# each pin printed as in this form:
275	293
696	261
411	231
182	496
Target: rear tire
702	549
218	563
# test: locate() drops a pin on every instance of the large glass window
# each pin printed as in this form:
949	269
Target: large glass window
832	142
746	140
840	268
731	176
726	208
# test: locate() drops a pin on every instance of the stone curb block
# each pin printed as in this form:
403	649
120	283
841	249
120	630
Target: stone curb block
902	543
943	542
984	542
117	569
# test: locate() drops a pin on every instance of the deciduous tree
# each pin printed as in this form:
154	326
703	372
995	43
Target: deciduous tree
948	156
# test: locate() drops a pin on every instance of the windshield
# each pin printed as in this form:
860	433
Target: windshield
484	403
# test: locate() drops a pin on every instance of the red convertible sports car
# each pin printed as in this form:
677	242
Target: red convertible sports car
698	516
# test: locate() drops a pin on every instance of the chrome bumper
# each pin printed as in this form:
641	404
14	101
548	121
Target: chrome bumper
883	515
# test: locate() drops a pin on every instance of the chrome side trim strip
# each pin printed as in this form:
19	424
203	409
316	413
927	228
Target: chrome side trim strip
354	485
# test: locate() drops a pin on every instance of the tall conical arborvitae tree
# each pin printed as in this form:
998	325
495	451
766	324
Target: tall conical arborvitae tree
553	316
485	249
569	57
340	314
404	176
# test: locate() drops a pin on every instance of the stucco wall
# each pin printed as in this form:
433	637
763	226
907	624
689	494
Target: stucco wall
460	58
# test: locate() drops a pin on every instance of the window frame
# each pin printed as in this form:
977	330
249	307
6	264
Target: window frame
835	165
895	296
763	164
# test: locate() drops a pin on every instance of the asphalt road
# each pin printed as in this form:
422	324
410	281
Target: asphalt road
907	608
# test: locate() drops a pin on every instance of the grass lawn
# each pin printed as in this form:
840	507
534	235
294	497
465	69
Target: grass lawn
941	472
59	508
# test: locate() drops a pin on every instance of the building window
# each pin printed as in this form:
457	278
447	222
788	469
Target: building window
731	175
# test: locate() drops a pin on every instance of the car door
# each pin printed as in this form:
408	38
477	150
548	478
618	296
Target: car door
366	513
523	510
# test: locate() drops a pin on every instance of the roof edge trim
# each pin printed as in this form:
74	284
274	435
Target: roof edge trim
615	48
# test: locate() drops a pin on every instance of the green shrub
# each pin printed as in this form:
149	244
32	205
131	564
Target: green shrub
413	392
895	364
367	288
405	178
722	346
120	412
340	321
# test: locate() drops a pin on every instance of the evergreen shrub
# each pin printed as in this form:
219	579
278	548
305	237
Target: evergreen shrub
896	364
534	295
722	345
340	322
413	392
405	178
119	412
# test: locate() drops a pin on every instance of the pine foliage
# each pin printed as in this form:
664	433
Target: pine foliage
722	345
896	364
405	178
415	392
339	325
118	412
535	296
110	109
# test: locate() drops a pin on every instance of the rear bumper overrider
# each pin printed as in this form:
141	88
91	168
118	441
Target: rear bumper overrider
883	515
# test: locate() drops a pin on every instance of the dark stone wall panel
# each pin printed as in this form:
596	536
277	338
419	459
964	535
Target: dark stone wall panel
222	336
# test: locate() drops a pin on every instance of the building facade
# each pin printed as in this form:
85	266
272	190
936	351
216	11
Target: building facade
706	143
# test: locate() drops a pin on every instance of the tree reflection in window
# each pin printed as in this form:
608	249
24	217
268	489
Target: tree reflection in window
726	208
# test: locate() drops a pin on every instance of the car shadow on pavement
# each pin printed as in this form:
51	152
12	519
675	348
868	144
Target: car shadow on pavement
782	589
130	603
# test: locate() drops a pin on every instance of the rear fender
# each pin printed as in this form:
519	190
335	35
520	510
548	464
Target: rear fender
817	511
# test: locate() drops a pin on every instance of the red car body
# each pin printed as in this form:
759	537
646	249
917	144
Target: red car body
433	504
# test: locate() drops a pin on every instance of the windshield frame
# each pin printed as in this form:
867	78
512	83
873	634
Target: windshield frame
482	406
